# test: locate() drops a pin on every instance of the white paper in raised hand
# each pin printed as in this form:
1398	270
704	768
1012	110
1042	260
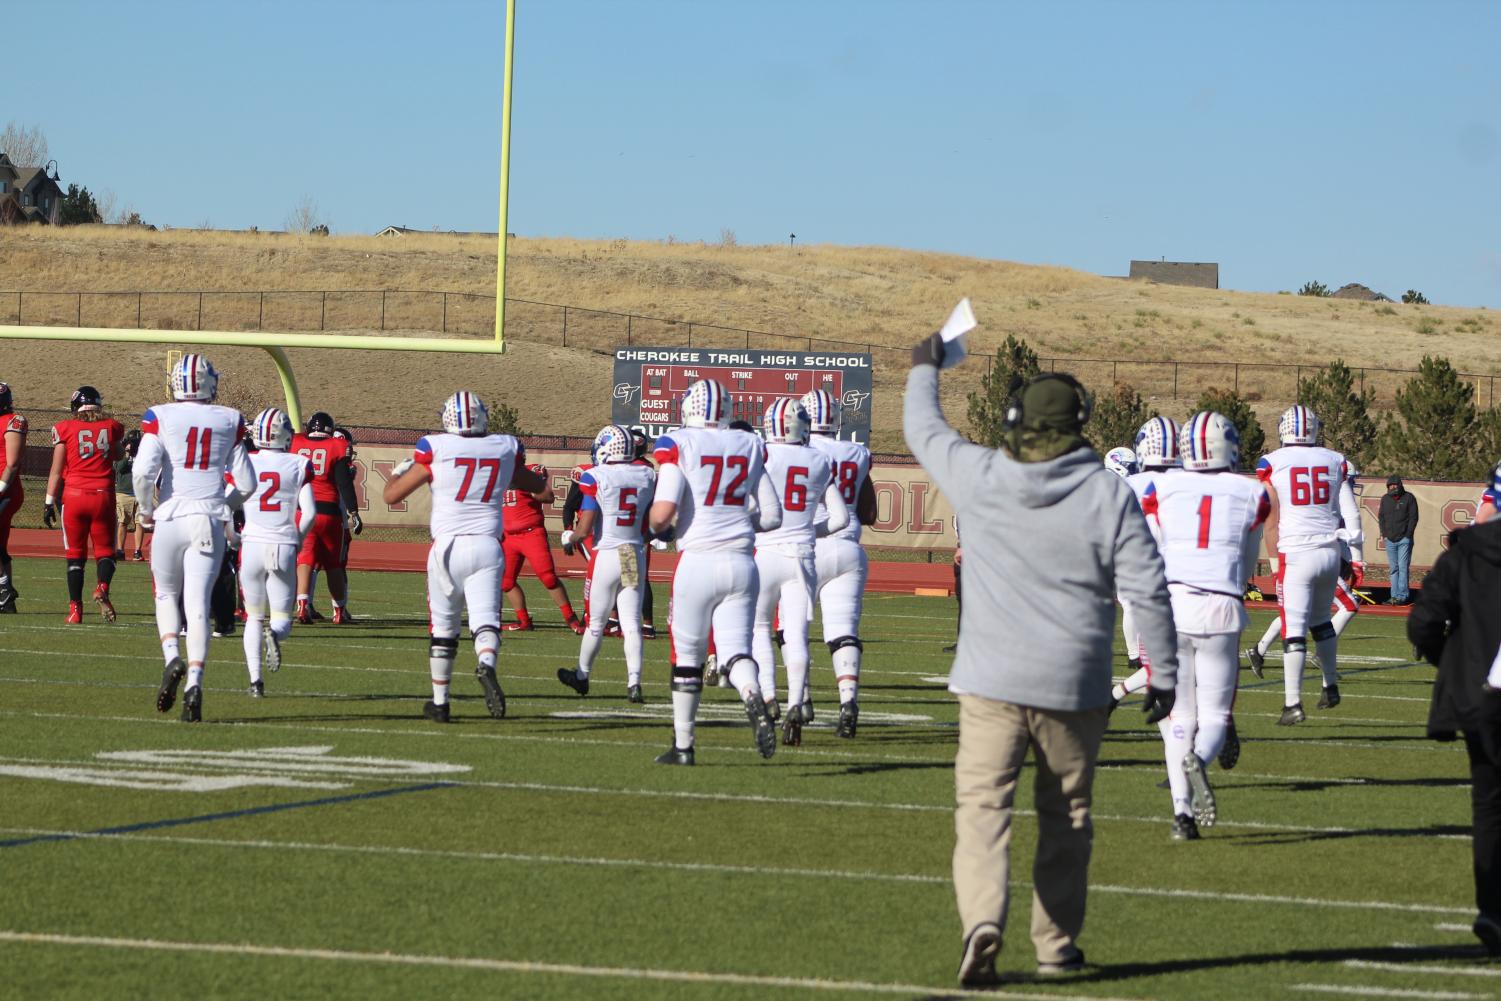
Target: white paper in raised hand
960	322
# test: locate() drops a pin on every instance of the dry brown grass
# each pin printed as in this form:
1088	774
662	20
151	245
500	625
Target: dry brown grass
855	295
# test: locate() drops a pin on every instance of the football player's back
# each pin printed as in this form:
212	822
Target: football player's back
851	462
1307	479
470	476
801	475
721	468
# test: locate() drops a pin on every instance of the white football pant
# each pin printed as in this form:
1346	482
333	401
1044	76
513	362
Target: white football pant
185	557
1136	651
788	577
715	589
614	581
1207	670
464	570
1305	588
268	579
842	571
1346	605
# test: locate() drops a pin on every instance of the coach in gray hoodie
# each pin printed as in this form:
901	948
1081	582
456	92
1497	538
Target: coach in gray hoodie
1050	538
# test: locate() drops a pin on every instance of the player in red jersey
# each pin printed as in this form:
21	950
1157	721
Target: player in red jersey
85	448
333	495
12	446
526	539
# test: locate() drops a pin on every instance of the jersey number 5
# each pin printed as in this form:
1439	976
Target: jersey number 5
628	508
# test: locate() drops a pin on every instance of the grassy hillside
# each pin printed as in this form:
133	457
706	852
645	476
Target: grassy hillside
861	295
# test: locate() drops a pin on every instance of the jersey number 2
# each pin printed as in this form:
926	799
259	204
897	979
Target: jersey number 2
272	482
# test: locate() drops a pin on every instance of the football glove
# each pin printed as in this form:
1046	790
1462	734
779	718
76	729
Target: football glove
1158	703
356	523
401	467
49	514
1357	573
567	539
660	545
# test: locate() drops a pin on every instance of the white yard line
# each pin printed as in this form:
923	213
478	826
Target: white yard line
1455	971
1454	928
1358	990
510	966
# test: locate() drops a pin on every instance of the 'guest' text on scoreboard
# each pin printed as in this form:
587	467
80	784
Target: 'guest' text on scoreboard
650	383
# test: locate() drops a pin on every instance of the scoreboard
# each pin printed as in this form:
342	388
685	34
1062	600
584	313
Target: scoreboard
650	383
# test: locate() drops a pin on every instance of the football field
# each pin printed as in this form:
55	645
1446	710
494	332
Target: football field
327	841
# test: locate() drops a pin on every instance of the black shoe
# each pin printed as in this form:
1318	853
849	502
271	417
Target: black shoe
648	631
1292	715
8	601
977	964
1072	963
172	675
676	755
774	710
1258	662
495	699
192	705
792	730
764	729
1184	828
951	648
570	677
1329	698
849	718
1488	930
806	712
1229	755
435	712
1198	785
633	694
1114	703
257	690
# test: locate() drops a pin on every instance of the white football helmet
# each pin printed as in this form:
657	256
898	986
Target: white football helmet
705	405
1209	442
1298	426
613	444
1122	462
271	429
194	378
1157	444
824	411
787	421
464	414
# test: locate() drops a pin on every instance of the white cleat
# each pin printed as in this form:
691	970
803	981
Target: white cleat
1202	800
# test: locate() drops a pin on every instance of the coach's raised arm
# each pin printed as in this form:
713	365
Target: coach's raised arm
1050	538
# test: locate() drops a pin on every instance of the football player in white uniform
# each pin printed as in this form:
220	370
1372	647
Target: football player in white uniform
1210	523
277	518
804	479
187	447
617	494
1311	495
1156	452
839	557
1490	500
1122	461
711	484
470	471
1346	602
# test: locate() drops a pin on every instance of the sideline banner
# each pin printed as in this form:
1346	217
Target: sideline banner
911	513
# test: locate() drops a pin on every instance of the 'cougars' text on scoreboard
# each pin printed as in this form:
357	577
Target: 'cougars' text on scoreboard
650	383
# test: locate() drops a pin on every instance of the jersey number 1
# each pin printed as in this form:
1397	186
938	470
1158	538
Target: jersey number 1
201	441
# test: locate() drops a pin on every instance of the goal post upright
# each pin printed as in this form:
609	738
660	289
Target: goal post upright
505	175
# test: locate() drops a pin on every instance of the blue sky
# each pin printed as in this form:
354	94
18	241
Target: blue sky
1287	141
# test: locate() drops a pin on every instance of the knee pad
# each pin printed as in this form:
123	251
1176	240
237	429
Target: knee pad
1324	631
728	666
687	679
835	645
484	633
1295	644
549	580
443	649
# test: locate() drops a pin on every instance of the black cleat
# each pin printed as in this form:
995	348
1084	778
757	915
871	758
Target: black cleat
1488	930
1202	800
977	965
8	601
676	755
435	712
1329	698
570	678
1184	828
1258	662
764	729
849	718
792	730
1292	715
172	675
1229	755
192	705
807	711
774	710
648	631
951	648
257	690
633	694
495	699
1114	704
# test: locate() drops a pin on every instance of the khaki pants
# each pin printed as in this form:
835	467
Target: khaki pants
993	741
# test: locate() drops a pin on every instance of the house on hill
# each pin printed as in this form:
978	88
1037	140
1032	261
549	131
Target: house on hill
28	194
1357	291
1199	275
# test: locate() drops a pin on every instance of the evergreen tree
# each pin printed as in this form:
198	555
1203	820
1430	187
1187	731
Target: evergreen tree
987	407
78	207
1232	405
1117	417
504	420
1344	413
1437	432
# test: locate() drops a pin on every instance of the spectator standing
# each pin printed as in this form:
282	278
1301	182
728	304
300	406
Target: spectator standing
958	587
1455	626
1398	516
1050	538
125	499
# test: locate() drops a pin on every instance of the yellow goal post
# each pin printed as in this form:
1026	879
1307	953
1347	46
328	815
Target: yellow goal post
275	344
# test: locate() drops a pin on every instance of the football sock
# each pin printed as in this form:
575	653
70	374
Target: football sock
684	708
441	669
253	647
1328	652
1174	749
745	678
302	598
75	581
847	670
340	604
106	568
1269	637
797	679
633	648
1292	676
1342	619
567	609
281	627
195	676
589	649
485	654
523	618
1134	683
1210	738
170	649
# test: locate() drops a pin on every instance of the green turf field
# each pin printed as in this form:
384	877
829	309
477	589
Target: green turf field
329	842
